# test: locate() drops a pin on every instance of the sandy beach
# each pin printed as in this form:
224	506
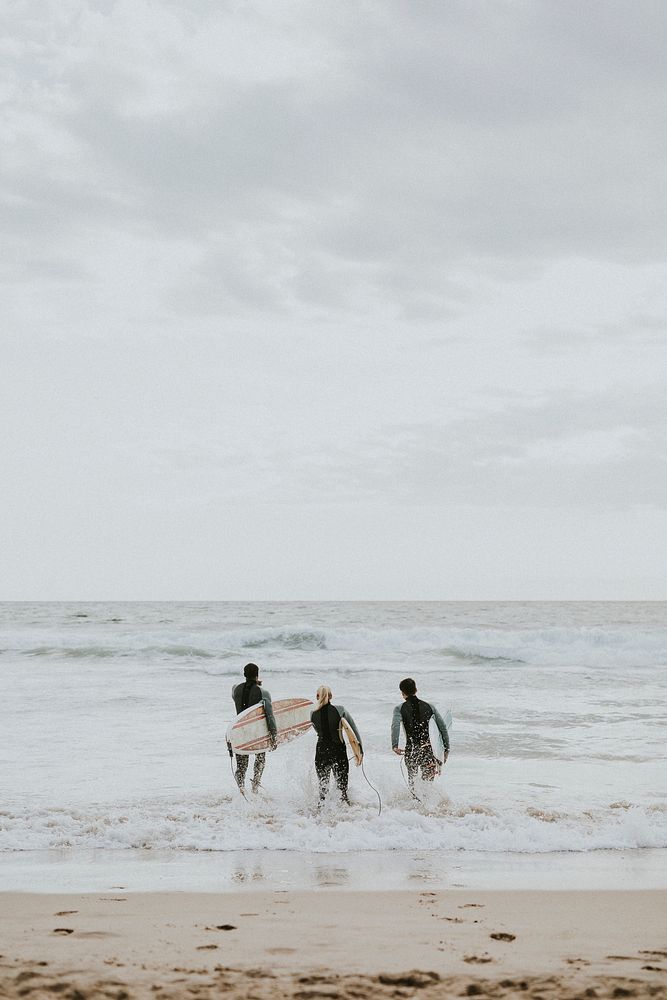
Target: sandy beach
335	944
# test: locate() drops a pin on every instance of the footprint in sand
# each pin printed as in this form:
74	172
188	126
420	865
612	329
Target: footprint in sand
26	975
63	930
281	951
412	980
222	927
471	906
478	959
206	947
65	913
502	936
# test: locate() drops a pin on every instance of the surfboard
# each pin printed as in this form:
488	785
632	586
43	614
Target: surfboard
249	733
352	740
436	738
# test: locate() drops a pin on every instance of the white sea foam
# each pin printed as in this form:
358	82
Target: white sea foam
225	825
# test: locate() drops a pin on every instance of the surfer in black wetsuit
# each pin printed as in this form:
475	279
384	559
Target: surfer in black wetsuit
245	695
415	715
331	751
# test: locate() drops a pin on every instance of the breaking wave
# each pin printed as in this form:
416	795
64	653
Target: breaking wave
228	824
554	646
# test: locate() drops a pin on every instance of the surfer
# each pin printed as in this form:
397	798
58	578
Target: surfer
245	695
415	716
331	752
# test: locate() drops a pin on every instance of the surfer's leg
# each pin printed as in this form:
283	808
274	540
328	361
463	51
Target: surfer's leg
323	775
428	763
323	765
411	764
241	769
341	770
258	770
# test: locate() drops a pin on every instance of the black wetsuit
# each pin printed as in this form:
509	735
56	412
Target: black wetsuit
330	752
245	695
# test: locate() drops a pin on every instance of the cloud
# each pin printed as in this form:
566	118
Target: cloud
596	450
601	450
337	159
390	256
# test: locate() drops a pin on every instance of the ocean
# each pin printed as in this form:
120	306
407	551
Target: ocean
114	717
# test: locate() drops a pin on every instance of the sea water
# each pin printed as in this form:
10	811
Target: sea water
114	714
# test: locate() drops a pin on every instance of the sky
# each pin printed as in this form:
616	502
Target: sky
331	300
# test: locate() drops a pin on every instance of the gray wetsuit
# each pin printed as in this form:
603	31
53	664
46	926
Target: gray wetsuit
245	695
414	715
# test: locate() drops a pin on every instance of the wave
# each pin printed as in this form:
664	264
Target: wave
73	652
215	824
488	646
306	639
95	652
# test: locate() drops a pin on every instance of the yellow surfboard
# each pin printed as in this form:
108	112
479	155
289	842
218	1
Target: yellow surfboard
352	740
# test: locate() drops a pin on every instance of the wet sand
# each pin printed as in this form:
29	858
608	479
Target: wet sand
334	944
96	870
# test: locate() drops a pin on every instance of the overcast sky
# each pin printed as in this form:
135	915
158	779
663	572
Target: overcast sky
333	300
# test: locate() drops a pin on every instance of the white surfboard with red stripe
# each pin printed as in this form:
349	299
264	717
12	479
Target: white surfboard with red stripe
249	733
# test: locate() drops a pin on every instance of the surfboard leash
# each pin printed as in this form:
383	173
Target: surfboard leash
363	771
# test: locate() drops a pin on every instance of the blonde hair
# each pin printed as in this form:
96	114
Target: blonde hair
323	695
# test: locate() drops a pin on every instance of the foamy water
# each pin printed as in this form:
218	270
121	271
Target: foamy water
114	717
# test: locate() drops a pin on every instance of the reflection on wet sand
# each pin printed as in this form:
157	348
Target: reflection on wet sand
250	873
216	871
422	869
326	875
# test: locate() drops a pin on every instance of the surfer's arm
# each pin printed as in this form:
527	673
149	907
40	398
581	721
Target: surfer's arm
442	728
395	727
268	711
348	718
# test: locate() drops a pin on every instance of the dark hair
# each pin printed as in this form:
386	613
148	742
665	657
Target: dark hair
408	686
251	671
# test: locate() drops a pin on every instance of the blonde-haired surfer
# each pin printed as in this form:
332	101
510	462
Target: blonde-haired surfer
331	752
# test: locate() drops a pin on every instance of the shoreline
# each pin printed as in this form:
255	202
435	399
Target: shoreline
284	943
135	870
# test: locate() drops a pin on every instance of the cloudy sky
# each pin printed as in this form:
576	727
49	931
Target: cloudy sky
333	300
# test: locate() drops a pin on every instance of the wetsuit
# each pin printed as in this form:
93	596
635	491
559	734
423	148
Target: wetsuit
331	751
415	715
245	695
